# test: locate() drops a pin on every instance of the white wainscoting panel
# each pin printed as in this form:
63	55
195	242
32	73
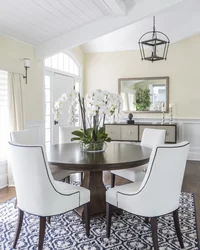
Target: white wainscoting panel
188	130
3	174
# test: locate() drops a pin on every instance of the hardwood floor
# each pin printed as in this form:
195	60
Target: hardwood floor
191	184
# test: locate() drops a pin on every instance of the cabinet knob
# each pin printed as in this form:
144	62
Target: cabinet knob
112	132
130	132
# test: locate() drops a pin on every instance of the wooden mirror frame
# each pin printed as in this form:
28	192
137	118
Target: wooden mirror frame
147	78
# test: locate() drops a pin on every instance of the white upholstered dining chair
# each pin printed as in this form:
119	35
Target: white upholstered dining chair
155	195
150	139
38	193
65	134
32	137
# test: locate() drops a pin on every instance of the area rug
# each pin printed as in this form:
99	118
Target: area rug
66	232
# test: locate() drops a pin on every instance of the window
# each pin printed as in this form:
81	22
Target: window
65	65
63	62
4	127
4	124
47	85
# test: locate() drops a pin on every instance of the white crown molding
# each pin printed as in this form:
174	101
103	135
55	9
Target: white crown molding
101	27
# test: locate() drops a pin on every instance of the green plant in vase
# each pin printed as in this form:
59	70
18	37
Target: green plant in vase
143	100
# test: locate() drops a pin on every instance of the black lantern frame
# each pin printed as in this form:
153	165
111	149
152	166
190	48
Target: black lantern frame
154	43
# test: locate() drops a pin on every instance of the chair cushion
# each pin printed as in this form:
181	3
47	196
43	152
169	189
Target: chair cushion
131	174
131	188
65	188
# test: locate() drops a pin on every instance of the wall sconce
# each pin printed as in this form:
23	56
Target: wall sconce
26	66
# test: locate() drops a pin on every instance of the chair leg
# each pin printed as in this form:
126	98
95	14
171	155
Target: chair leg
42	232
81	177
146	220
108	219
87	219
177	227
49	220
154	227
112	183
19	226
16	203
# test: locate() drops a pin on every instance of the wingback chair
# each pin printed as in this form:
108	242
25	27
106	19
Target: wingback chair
150	139
38	193
32	137
158	193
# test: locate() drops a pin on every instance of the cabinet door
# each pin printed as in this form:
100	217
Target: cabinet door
113	131
170	133
129	132
141	129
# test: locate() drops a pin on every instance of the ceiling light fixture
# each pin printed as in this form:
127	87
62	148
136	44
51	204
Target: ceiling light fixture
154	45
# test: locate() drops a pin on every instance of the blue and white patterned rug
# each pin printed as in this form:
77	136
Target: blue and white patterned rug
66	232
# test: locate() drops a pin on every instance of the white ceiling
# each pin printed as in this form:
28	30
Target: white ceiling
178	22
35	21
55	25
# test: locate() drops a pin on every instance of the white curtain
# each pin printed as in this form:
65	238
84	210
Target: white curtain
15	106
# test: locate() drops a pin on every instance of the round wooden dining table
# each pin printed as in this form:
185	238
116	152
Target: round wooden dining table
116	156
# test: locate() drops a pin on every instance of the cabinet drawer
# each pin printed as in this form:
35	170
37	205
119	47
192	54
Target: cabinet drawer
129	132
113	131
141	129
170	133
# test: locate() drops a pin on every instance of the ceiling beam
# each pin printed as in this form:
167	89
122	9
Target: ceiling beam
116	7
105	25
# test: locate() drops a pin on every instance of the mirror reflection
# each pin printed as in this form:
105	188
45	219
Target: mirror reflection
144	94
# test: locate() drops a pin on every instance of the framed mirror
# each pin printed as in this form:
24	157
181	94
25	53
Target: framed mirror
145	94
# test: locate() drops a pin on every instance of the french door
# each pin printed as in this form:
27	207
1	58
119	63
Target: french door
55	85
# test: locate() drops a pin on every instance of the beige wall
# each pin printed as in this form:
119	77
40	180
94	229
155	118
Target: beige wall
12	53
102	70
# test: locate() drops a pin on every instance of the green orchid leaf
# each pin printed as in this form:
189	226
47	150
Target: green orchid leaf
75	139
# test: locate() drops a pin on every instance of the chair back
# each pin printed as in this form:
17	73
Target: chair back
33	179
26	137
161	187
65	134
153	137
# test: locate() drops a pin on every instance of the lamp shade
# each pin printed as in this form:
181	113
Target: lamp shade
26	62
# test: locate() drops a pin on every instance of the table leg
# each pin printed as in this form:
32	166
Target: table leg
94	182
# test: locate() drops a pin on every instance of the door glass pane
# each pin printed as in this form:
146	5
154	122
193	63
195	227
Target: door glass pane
47	121
47	95
76	70
47	82
60	61
48	62
47	135
47	108
71	66
66	63
55	61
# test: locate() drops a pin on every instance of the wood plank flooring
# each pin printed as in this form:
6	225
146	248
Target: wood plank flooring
191	184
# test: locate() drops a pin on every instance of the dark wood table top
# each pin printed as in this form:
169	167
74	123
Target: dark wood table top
116	156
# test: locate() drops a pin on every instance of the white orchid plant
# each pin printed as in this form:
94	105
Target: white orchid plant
73	103
95	108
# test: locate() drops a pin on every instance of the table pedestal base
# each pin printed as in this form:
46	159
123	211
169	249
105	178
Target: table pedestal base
94	182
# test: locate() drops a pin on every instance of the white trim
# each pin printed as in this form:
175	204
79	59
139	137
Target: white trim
51	73
101	27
